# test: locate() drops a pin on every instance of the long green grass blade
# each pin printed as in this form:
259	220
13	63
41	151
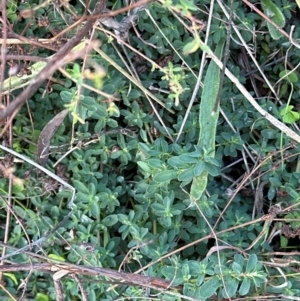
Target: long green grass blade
208	119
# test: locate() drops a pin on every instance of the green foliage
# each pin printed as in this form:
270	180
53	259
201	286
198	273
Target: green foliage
208	118
145	195
275	14
288	115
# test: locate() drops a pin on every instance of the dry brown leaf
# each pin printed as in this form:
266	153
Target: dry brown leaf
46	136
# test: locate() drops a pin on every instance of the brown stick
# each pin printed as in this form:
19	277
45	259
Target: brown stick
117	12
26	58
135	279
13	35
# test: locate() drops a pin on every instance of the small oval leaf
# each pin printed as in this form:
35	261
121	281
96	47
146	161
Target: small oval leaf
209	288
165	176
245	286
251	264
187	175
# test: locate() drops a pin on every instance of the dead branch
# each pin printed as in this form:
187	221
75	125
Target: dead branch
72	269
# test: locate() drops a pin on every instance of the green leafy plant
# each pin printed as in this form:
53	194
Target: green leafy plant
275	14
171	152
289	115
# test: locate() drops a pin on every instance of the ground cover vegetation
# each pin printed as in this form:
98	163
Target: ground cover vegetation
149	152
